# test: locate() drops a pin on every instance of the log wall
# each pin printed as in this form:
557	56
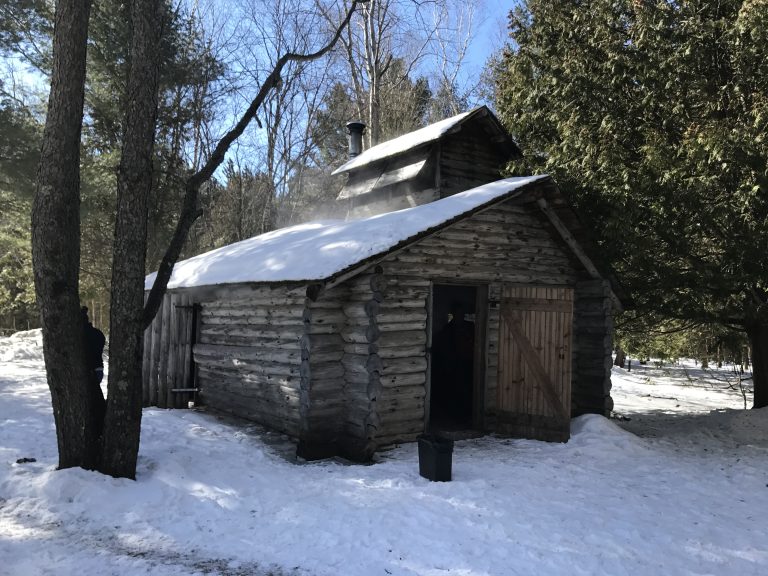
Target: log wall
250	356
593	345
362	365
504	245
322	375
468	159
347	370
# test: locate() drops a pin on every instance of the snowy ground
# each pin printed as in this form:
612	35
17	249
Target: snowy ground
687	495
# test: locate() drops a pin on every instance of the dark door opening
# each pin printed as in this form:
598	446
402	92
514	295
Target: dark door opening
453	358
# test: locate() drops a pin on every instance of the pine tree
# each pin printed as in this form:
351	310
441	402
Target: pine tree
653	116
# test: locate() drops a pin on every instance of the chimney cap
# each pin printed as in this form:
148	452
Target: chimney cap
356	129
356	126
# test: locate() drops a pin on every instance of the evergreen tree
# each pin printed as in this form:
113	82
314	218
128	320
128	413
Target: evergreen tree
653	116
19	149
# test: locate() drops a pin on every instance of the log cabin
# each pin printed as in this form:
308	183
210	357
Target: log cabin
449	300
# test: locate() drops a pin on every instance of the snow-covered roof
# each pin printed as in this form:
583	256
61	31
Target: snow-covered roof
405	142
321	250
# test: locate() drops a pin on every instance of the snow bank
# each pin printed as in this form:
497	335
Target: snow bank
212	498
26	345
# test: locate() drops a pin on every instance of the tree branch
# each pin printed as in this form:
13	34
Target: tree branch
189	212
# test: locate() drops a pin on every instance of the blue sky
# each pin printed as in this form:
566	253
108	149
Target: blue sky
491	30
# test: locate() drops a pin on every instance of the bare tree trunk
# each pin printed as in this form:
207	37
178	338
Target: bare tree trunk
56	241
757	331
123	421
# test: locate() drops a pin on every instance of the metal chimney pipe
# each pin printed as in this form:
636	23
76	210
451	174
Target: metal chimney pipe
356	129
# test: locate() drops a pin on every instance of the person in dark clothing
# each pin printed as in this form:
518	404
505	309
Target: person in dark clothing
454	349
93	344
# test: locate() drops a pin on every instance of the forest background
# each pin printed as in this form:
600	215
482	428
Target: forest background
667	167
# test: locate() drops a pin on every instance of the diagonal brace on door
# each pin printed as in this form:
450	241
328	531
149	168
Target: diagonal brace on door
534	363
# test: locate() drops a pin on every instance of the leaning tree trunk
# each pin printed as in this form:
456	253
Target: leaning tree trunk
56	240
757	331
122	429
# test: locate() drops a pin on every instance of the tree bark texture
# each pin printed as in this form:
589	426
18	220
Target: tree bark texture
56	240
757	331
122	428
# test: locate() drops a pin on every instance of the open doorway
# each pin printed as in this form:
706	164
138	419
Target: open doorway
455	358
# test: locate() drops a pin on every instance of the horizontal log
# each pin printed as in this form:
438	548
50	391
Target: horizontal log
490	262
473	249
252	378
485	274
514	237
402	326
257	322
226	340
403	379
402	351
388	416
285	423
405	298
256	335
245	366
329	302
327	316
211	381
251	353
317	357
500	216
327	371
403	366
325	328
405	338
395	282
324	341
267	311
334	382
242	327
235	292
402	315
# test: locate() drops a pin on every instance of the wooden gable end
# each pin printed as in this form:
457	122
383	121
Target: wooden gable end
473	156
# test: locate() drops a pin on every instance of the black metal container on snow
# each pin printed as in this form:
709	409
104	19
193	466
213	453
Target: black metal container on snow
435	458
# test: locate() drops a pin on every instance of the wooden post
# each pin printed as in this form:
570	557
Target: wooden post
155	356
171	379
146	363
165	338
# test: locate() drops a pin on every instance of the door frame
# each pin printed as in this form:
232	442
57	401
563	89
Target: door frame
480	361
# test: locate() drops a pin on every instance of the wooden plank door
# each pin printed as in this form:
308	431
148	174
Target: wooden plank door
534	389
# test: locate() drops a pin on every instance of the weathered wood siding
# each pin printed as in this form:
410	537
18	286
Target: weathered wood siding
469	158
593	344
362	365
167	354
322	374
504	245
402	323
534	372
249	356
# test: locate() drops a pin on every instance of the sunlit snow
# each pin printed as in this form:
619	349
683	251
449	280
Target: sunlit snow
686	495
318	250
